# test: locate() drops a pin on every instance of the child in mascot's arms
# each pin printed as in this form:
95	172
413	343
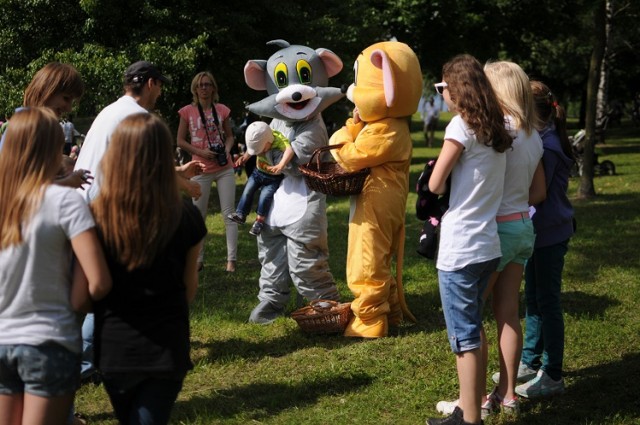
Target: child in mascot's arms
387	92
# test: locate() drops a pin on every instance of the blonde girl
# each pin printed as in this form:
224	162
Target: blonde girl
43	226
524	186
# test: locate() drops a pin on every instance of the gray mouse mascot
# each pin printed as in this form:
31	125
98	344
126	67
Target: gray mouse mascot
293	246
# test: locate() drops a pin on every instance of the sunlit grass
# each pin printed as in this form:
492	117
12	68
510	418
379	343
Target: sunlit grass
251	374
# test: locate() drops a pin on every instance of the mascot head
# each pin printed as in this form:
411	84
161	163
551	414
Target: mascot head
296	79
388	82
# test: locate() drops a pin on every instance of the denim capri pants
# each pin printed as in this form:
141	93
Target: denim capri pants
461	294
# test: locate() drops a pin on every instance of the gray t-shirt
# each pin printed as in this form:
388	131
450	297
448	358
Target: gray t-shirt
35	276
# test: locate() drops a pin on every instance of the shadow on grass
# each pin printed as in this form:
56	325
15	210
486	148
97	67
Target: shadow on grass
617	149
602	232
260	401
584	402
581	304
585	394
277	347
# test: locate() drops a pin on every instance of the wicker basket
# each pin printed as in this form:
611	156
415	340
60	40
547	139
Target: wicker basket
323	317
330	178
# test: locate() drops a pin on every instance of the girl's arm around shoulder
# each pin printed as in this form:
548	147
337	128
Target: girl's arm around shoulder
449	155
91	270
538	188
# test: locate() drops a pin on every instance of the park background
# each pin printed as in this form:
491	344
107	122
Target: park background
586	50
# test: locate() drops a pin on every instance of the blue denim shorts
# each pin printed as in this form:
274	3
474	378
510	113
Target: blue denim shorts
516	241
461	294
47	370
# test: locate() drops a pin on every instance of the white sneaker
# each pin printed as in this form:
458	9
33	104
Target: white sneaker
525	373
446	407
540	386
490	405
510	407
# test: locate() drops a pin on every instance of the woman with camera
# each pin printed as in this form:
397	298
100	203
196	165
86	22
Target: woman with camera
205	132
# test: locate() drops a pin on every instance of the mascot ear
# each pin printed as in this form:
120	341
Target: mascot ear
331	61
254	74
380	60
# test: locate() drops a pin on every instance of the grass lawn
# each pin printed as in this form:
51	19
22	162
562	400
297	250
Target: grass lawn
252	374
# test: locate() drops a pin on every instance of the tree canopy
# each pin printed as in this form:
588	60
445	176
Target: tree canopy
551	40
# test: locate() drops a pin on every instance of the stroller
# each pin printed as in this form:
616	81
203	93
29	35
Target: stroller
604	168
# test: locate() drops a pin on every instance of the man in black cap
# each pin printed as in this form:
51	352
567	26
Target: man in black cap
143	86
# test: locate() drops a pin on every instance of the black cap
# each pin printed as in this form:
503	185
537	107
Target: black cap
141	71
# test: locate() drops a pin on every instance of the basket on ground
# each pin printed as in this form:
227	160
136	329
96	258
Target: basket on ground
323	317
330	178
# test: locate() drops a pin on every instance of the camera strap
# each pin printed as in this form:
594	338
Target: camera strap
206	125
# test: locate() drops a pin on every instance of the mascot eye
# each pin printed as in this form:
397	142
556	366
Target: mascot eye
281	75
304	71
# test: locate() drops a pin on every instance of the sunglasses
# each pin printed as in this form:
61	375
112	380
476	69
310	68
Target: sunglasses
440	87
205	85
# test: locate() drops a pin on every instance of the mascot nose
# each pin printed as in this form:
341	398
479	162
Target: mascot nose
344	88
296	96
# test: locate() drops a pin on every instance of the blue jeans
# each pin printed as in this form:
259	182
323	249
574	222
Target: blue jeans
87	368
269	184
143	399
461	295
544	336
46	370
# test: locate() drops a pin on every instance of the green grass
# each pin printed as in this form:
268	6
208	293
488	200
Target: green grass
252	374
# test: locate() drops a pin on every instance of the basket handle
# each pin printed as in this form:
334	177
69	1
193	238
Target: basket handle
320	150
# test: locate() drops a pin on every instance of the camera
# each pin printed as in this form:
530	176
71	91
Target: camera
221	154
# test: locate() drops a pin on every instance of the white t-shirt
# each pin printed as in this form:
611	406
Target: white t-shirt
97	139
35	276
469	232
522	160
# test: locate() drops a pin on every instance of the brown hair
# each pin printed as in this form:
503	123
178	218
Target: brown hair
547	111
139	205
29	161
52	79
476	101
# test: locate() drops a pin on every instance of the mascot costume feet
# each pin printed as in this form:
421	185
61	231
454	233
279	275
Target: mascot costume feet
293	246
386	93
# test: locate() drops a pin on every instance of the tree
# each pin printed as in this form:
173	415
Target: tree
586	188
550	39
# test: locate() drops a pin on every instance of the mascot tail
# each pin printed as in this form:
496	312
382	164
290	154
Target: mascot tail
400	261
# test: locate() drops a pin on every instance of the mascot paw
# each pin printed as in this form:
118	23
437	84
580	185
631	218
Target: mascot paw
265	313
376	328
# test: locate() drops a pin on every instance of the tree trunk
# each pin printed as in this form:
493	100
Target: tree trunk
602	103
586	188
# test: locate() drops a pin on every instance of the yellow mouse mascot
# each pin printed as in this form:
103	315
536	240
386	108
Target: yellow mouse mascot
386	92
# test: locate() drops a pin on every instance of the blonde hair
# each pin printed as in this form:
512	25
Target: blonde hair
511	85
30	159
196	81
139	205
52	79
